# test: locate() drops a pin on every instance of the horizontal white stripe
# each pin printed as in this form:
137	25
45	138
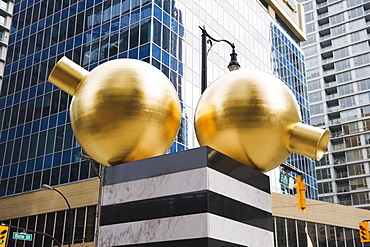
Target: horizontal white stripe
238	233
232	188
184	227
156	230
164	185
186	182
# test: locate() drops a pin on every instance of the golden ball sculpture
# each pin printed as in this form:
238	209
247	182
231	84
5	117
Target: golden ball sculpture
123	110
254	118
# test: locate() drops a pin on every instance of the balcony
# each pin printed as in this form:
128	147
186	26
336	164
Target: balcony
329	71
325	37
331	84
327	60
342	174
335	121
345	202
327	48
333	108
327	55
324	26
322	4
343	189
328	66
332	96
336	134
340	161
324	32
4	5
338	147
322	9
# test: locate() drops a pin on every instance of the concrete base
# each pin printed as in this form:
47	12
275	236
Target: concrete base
197	197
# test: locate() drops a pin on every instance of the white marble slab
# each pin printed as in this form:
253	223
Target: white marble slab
185	182
164	185
184	227
232	188
156	230
235	232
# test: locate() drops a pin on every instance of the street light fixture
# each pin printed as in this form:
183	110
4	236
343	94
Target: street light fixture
48	187
233	65
91	161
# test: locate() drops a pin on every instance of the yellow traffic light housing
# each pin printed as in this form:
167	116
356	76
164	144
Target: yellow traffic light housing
3	235
363	228
300	186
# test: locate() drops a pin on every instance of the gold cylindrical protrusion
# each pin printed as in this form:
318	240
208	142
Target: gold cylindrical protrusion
66	75
308	141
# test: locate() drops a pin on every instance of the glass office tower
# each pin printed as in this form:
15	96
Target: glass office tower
338	72
37	145
6	9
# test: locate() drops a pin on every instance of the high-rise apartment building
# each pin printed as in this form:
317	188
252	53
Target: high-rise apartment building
37	145
338	75
6	10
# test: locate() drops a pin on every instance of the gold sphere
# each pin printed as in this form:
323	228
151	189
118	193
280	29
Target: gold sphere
123	110
254	118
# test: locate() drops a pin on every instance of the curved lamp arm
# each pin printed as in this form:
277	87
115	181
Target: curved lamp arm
233	65
48	187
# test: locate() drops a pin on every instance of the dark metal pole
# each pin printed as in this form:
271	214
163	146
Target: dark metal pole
100	176
70	215
204	61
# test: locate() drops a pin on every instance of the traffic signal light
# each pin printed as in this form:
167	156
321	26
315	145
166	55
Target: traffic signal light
363	228
300	186
3	235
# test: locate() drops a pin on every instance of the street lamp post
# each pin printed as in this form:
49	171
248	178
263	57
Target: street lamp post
48	187
93	162
233	65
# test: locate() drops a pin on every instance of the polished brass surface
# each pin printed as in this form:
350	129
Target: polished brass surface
66	75
124	110
253	117
308	141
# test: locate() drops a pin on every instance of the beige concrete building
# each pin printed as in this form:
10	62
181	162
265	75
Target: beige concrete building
324	224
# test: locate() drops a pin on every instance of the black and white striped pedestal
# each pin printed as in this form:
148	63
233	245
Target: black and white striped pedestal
197	197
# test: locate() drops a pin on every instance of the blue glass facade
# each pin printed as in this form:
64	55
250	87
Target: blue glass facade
37	145
288	65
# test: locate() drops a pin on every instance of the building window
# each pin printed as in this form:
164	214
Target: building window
2	20
358	183
354	155
352	141
356	169
353	13
316	109
314	97
57	225
313	234
335	8
323	173
309	17
318	121
345	89
360	198
310	27
325	187
4	5
312	73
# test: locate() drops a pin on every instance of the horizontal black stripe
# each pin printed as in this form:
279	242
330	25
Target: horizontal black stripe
198	242
186	204
183	161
